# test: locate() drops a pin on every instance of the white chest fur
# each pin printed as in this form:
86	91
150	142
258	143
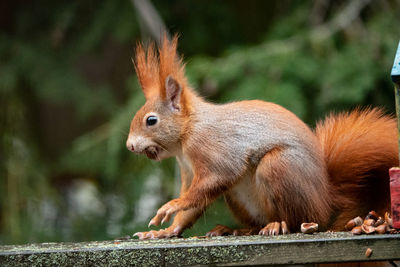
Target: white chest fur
185	165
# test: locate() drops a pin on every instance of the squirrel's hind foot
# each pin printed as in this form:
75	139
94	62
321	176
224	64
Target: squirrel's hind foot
275	228
222	230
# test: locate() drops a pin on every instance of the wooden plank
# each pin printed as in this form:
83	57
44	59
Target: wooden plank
217	251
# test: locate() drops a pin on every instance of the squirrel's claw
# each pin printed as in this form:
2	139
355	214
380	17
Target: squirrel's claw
151	223
138	234
167	216
275	228
165	212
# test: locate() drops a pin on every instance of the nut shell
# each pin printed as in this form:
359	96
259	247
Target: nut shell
358	220
368	252
379	222
369	222
367	229
388	219
309	228
382	229
353	223
356	230
372	215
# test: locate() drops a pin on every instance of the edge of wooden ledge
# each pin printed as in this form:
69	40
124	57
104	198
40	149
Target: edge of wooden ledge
327	247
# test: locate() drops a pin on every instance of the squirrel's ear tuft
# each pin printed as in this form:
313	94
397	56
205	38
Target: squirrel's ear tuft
173	92
147	69
155	72
170	64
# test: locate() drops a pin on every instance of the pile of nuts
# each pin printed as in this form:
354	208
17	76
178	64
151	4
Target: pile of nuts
372	223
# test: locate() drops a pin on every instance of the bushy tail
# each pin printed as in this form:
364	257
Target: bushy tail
359	149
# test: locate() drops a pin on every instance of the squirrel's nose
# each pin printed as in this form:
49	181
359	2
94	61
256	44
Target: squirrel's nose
130	146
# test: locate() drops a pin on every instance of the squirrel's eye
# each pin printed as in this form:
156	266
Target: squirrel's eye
151	120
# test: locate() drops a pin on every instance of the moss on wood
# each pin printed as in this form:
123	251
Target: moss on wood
248	250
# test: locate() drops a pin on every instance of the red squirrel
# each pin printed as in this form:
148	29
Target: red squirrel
272	169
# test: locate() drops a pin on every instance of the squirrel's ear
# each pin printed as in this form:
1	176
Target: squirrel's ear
173	93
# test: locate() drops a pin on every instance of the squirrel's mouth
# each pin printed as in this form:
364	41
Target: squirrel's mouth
152	152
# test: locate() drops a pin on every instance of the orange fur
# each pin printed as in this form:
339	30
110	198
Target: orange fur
152	70
147	69
359	149
170	63
267	163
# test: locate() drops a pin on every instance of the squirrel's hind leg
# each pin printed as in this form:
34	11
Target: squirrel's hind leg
293	188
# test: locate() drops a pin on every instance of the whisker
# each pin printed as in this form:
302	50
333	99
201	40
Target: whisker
162	147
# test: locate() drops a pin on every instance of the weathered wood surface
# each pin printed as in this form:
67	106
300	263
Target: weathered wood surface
217	251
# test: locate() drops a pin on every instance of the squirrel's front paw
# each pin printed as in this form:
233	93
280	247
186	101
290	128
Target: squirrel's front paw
163	233
166	211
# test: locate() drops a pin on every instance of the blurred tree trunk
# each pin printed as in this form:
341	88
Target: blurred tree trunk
151	23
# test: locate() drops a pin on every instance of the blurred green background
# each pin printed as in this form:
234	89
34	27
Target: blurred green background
68	92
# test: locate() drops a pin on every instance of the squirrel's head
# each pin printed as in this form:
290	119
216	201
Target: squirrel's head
157	128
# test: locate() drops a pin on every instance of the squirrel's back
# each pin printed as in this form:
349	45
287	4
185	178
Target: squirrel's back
245	131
